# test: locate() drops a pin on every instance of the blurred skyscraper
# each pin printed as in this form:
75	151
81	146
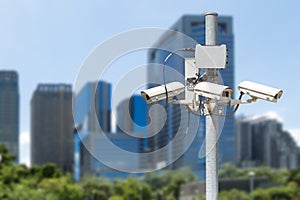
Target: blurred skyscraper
9	111
92	110
94	96
132	118
131	114
52	126
124	120
262	141
100	147
194	27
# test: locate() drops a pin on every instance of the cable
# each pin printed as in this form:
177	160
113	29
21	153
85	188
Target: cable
236	107
191	111
199	107
164	80
164	67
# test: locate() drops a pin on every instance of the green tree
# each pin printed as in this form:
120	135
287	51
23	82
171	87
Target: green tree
233	195
260	194
228	170
177	178
96	189
116	197
294	176
173	189
50	171
132	189
281	193
6	158
60	188
23	192
158	180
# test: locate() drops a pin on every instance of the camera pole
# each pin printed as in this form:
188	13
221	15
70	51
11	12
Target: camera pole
211	38
211	111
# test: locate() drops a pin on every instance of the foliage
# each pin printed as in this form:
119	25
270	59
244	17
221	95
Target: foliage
233	195
96	189
274	175
166	185
132	189
116	197
294	176
47	182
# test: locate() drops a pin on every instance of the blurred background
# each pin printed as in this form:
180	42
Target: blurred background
43	45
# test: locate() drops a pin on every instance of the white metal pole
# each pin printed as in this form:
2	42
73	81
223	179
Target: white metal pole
211	38
251	176
251	187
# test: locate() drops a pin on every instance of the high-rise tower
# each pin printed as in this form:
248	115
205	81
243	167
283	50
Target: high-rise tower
9	111
52	126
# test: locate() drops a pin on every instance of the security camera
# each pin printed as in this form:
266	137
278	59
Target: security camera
159	93
258	91
213	91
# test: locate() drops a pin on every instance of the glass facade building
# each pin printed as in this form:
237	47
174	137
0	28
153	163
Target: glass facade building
92	111
131	115
9	111
99	145
132	118
96	95
90	141
262	141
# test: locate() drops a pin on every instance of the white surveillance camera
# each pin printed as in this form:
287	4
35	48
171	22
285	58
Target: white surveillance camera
213	91
258	91
159	93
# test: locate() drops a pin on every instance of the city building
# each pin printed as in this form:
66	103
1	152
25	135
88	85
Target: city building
9	111
192	26
93	147
52	126
104	160
94	96
132	118
92	111
132	115
124	116
262	141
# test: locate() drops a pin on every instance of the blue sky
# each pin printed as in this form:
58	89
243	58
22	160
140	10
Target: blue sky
47	41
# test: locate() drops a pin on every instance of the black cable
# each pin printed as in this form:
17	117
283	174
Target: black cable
164	67
236	107
191	111
164	80
199	107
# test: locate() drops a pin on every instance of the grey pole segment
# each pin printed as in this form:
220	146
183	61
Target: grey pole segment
251	187
211	30
251	176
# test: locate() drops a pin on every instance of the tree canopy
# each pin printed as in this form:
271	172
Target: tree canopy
47	182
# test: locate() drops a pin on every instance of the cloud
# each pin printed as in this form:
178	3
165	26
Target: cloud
274	115
295	133
268	115
24	138
24	151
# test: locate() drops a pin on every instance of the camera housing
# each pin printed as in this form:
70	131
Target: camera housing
159	93
259	91
213	91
